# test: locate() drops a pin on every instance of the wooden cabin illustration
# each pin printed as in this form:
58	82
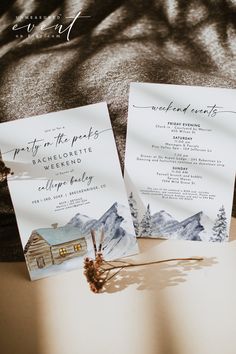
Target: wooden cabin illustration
52	246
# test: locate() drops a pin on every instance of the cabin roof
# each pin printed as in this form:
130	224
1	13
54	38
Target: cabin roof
60	234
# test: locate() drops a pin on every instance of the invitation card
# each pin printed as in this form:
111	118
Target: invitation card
67	183
180	161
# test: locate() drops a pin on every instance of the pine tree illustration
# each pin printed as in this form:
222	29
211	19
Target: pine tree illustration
146	223
134	213
219	229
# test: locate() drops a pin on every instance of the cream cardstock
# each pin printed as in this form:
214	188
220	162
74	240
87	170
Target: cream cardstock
67	181
180	160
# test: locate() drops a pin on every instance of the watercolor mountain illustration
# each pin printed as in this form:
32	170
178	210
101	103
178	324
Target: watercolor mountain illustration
197	227
119	237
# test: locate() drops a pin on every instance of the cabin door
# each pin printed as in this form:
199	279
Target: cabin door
40	262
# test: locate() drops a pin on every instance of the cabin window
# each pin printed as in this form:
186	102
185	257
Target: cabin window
77	247
63	252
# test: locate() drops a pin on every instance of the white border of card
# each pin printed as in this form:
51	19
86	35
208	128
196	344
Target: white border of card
67	184
180	161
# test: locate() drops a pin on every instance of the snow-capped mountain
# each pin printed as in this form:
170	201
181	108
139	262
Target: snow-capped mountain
118	228
83	222
190	228
197	227
163	223
207	224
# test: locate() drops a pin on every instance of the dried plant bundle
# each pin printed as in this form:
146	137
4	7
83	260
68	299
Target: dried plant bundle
98	271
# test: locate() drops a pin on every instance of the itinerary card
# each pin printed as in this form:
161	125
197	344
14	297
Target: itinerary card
67	181
180	161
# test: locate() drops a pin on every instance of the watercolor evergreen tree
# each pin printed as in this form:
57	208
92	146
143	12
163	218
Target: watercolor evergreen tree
134	213
219	229
146	223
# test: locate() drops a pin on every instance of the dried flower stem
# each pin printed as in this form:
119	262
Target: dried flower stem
127	265
98	271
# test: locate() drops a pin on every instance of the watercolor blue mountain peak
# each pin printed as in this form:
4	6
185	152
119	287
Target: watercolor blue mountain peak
161	224
119	234
192	228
